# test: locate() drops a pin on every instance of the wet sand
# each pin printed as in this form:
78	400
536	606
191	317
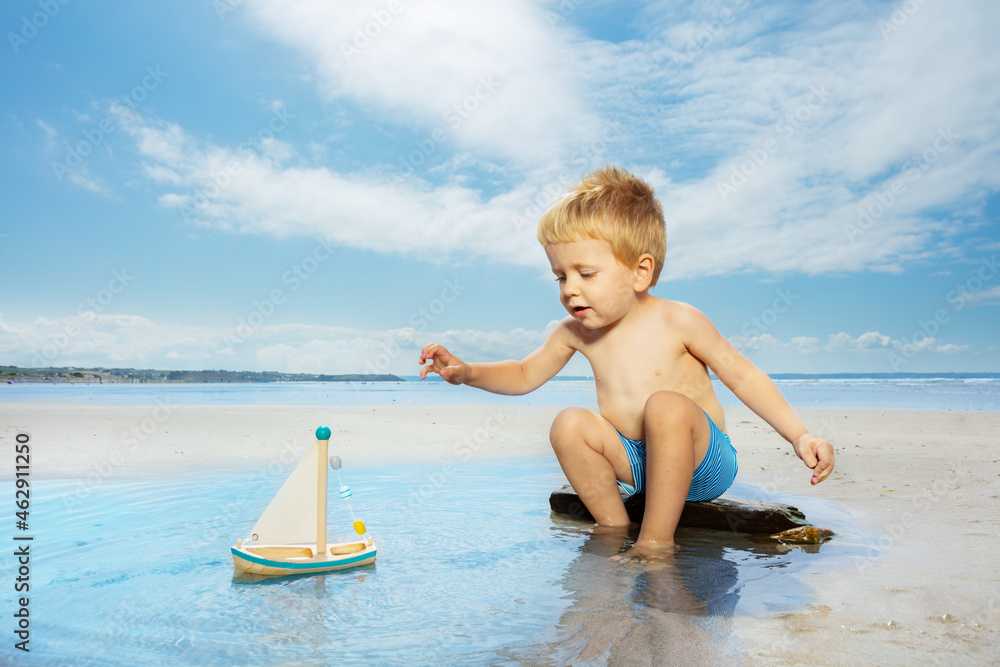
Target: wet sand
922	488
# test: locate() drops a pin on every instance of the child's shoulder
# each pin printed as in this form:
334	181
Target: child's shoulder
675	309
679	315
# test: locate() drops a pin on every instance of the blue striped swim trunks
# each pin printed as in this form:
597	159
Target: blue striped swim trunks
714	475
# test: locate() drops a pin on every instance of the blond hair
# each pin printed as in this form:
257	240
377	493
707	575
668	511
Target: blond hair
612	205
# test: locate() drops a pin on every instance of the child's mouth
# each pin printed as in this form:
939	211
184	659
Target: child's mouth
581	310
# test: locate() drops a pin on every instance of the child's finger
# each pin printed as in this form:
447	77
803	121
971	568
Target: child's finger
821	472
432	367
824	464
808	457
427	352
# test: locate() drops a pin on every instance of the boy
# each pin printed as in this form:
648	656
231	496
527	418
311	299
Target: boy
661	428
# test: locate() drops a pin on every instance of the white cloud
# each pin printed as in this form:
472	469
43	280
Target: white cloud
494	75
986	297
768	344
91	339
872	340
841	342
839	150
50	133
517	343
83	178
832	112
272	192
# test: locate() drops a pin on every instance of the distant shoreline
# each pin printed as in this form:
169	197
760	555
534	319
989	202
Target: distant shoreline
101	375
73	375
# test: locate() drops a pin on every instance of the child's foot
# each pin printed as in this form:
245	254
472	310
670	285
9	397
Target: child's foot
647	552
606	540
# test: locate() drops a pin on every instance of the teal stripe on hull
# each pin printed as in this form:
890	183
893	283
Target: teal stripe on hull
312	565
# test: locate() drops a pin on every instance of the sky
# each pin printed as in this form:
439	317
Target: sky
316	187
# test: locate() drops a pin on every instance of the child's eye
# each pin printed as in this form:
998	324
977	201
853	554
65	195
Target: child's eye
560	279
586	275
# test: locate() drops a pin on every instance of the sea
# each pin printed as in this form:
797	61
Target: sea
965	391
472	566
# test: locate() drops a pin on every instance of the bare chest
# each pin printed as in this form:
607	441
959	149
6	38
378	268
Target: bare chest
630	368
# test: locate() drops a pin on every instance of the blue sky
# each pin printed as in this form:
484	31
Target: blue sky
324	187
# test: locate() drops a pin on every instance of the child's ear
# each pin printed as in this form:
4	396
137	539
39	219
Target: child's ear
644	272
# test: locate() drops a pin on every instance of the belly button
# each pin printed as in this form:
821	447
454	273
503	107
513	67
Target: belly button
657	372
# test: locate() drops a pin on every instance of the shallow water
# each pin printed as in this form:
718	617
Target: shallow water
472	568
923	393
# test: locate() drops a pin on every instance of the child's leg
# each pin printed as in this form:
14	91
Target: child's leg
593	458
677	437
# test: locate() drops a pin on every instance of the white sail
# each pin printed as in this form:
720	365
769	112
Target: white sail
291	516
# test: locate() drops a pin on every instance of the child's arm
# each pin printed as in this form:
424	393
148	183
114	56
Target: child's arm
752	386
510	377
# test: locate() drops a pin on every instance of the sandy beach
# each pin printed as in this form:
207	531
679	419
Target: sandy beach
923	485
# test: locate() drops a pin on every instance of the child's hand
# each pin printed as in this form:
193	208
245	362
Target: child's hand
444	363
816	453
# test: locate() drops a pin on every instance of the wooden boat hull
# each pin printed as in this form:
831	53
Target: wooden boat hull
281	559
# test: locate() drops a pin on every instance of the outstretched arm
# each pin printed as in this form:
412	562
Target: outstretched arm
752	386
510	377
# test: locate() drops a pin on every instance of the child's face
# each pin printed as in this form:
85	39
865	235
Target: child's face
594	287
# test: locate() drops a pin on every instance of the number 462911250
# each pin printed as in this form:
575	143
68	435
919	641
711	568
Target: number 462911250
22	466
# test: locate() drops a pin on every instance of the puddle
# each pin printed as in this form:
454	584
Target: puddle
472	568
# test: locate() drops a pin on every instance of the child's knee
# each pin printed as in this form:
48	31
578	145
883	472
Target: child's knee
568	426
670	408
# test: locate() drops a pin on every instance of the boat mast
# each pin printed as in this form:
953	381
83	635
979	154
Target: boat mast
323	436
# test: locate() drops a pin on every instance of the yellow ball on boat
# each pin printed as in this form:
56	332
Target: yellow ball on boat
359	527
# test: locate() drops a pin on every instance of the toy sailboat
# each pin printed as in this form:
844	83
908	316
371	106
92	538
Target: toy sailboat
290	536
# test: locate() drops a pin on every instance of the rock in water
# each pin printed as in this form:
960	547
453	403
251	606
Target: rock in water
803	535
742	516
